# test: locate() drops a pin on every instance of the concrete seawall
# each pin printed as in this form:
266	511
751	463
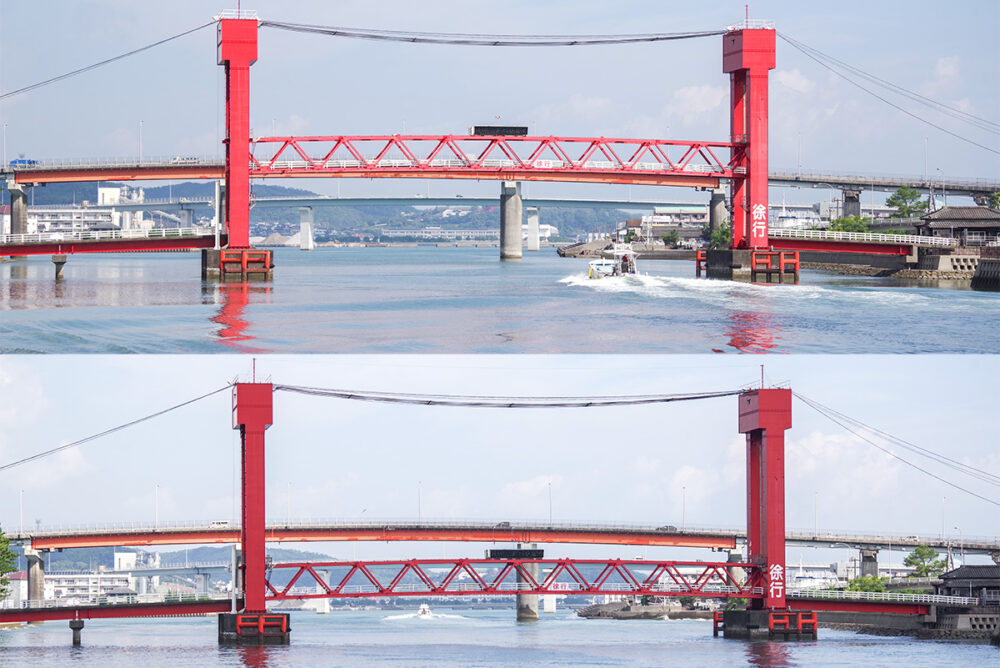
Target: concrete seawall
987	276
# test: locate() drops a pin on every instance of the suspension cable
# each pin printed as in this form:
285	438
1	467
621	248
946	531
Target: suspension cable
94	66
112	430
475	401
834	417
888	102
954	112
474	39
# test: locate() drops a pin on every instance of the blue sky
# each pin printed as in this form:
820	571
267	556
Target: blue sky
337	459
319	85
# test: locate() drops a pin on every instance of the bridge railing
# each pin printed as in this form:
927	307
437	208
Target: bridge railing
131	599
883	179
894	597
104	235
866	237
109	163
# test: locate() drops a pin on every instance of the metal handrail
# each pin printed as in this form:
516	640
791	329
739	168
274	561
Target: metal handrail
104	235
868	237
881	596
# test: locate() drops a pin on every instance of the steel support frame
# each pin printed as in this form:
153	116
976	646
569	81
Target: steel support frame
747	56
764	415
252	415
486	577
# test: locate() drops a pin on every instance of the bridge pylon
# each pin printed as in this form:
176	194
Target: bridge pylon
253	411
237	42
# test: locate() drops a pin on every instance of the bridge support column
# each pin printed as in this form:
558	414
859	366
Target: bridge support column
747	56
510	220
527	578
736	573
201	582
36	574
306	241
186	218
869	563
254	625
18	211
533	242
852	202
717	213
59	261
527	604
76	625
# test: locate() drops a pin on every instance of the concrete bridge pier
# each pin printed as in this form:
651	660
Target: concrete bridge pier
306	241
736	573
18	211
852	202
869	563
76	625
533	242
59	261
202	581
36	575
527	604
510	220
717	212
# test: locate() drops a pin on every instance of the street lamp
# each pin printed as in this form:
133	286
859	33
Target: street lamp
961	544
550	503
944	192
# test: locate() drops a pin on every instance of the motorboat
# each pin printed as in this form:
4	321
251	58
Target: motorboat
424	611
621	263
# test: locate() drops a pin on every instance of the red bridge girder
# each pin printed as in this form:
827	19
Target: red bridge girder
482	577
108	246
839	246
13	615
902	608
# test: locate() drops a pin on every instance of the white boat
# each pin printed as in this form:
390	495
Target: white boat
424	611
621	262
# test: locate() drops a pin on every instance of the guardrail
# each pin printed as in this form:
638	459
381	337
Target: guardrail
866	237
104	235
883	179
131	599
891	597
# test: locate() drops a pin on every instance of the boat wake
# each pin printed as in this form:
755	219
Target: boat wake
726	293
417	615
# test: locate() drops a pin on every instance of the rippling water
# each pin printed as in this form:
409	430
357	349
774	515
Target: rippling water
465	300
464	638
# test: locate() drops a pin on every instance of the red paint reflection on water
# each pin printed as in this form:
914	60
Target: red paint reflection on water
752	332
235	297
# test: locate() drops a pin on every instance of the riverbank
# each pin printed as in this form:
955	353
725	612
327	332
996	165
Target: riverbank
626	611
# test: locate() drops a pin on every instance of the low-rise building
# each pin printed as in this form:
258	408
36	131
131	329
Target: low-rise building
973	225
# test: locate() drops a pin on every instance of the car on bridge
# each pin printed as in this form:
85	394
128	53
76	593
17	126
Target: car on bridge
23	162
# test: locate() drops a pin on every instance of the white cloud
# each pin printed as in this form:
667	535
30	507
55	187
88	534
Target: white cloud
946	67
794	80
691	102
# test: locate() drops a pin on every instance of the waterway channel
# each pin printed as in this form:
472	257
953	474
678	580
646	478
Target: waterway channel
464	300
